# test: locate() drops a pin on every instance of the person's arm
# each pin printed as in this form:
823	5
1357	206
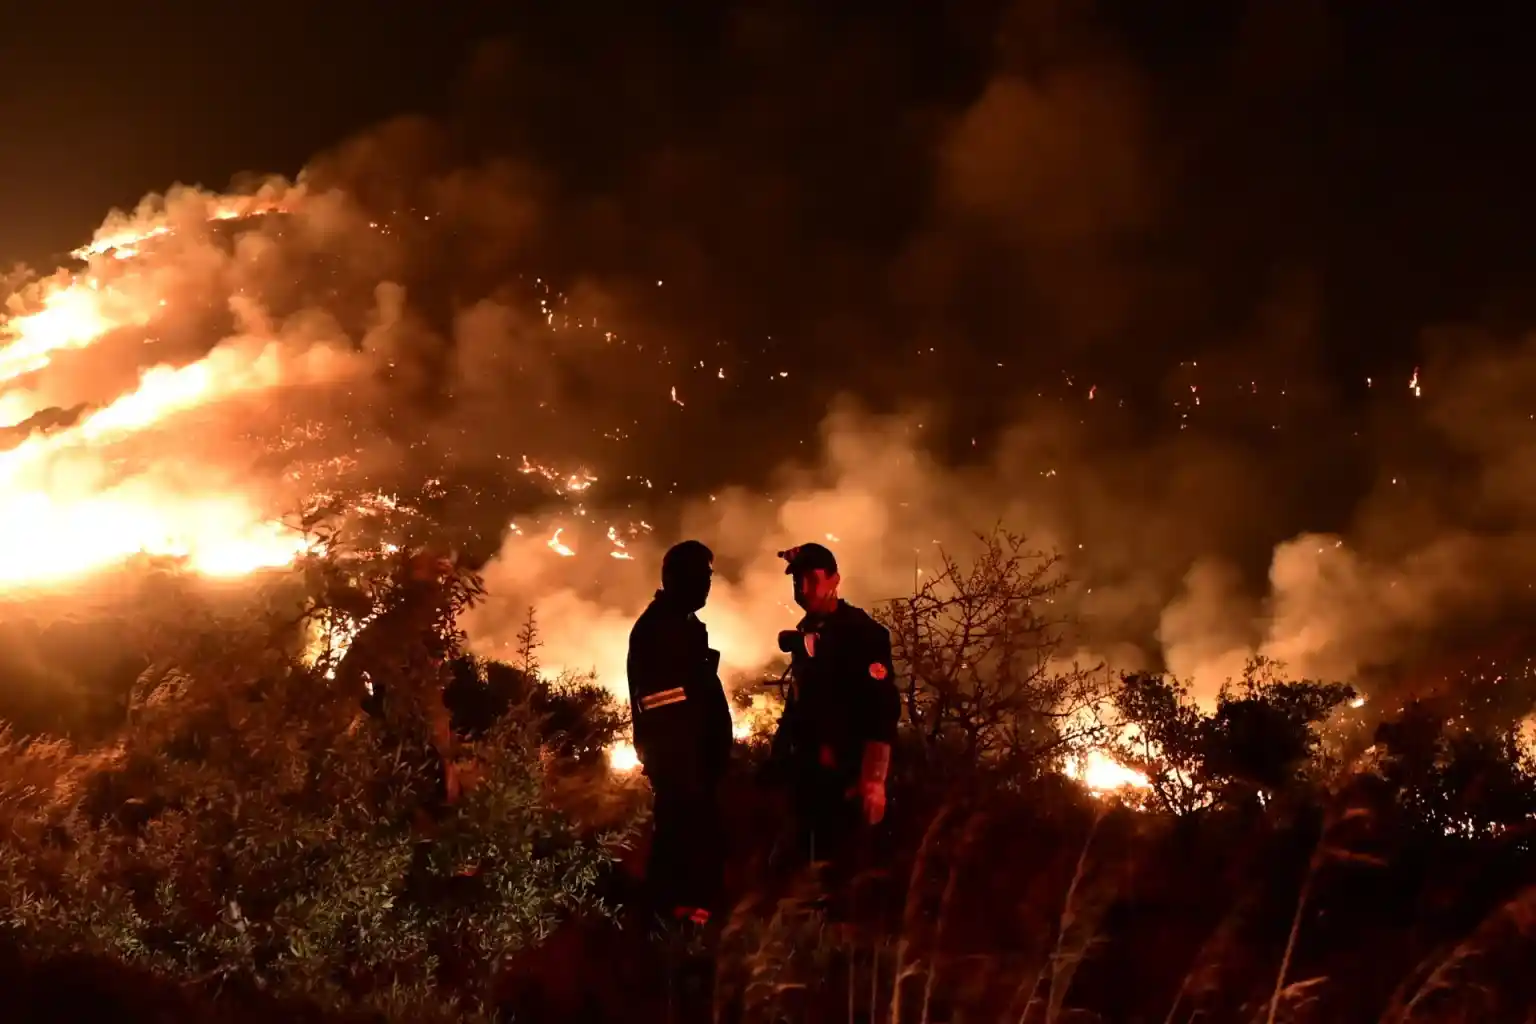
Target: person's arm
659	696
719	730
879	716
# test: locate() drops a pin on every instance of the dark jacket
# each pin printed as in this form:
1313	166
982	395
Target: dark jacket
682	721
844	694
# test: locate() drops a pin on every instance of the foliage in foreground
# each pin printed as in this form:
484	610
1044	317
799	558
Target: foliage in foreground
1294	857
250	831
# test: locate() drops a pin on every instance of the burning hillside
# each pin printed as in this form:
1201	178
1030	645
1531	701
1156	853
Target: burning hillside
220	365
133	437
158	403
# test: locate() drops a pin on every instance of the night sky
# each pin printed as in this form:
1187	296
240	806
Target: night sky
1383	147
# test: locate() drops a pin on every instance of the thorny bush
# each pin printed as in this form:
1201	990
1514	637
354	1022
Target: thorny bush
977	649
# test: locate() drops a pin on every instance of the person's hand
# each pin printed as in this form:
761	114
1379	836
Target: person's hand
871	795
871	786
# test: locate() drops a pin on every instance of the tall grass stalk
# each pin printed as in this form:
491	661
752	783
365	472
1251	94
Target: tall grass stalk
912	913
1030	994
962	849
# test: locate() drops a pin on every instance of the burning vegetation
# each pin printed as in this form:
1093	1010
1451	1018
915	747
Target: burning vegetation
1126	788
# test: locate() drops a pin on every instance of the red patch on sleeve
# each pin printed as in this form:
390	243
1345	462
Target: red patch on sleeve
876	670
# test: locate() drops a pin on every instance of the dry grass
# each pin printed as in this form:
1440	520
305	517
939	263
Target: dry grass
1450	990
780	960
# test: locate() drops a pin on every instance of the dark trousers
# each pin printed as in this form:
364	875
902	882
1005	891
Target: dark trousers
829	826
833	835
687	860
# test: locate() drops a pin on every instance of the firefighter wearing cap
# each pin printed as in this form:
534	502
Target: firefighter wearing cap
396	667
840	720
682	734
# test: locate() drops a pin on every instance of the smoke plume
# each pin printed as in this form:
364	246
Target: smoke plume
880	287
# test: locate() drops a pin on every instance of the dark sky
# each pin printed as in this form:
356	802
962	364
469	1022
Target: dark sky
112	101
1373	158
1395	135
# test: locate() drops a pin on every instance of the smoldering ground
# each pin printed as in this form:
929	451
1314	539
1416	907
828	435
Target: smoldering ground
1079	273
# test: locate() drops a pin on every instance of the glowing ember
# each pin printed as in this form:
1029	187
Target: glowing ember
618	551
558	546
564	483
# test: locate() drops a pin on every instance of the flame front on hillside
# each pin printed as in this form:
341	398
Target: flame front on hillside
166	466
118	482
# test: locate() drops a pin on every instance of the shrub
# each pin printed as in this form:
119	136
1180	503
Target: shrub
249	830
1257	741
977	656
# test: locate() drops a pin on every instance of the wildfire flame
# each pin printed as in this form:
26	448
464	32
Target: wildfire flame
1101	774
69	508
74	501
124	241
756	719
623	758
70	317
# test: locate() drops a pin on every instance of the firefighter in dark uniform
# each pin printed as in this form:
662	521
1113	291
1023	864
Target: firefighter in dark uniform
682	734
840	718
396	669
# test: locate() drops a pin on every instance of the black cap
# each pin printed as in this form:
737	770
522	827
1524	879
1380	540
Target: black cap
807	557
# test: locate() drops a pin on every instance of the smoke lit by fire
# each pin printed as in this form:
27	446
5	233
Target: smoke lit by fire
217	362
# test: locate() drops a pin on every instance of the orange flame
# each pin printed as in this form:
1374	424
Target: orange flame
123	241
70	317
623	758
67	509
1100	774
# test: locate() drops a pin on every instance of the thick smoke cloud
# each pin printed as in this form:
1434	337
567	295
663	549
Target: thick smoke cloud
1028	263
1167	413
